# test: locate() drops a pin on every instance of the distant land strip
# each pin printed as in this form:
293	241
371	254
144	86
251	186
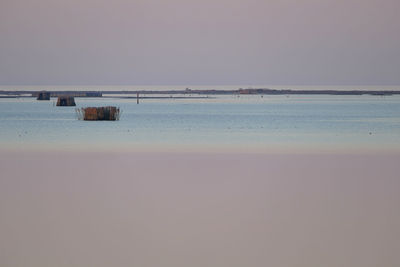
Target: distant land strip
187	91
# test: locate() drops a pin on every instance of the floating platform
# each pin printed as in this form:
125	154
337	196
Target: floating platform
66	101
43	95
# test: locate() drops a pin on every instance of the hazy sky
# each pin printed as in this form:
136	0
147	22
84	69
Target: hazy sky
331	42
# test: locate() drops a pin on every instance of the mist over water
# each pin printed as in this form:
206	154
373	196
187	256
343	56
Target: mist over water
64	202
179	210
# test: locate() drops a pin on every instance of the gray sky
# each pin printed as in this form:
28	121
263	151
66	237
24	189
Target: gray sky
102	42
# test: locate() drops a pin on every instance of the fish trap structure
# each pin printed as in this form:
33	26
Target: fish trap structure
66	101
43	95
99	113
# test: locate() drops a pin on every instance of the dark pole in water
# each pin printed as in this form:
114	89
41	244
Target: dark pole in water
137	98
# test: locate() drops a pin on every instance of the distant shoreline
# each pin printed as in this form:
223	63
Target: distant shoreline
240	91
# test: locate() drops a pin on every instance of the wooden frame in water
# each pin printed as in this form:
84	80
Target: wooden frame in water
108	113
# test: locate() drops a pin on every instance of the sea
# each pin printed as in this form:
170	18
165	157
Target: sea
242	122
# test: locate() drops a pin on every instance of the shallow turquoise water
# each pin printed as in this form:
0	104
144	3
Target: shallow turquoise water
363	121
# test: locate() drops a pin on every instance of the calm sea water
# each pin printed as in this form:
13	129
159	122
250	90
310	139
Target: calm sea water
268	121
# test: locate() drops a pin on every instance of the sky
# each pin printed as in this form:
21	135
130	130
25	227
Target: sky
207	42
